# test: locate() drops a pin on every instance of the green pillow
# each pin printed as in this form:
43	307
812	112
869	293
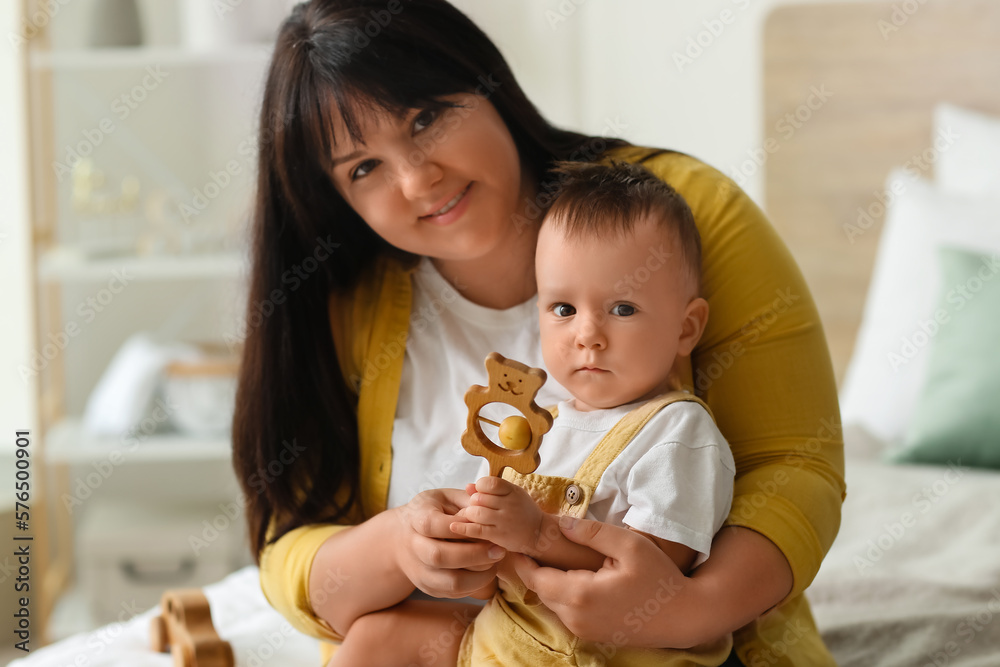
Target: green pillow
957	417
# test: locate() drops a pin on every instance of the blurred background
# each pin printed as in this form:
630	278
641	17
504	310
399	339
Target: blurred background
127	148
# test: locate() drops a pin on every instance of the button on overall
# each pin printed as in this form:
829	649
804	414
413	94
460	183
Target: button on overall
573	494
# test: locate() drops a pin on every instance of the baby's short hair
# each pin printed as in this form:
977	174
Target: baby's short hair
607	200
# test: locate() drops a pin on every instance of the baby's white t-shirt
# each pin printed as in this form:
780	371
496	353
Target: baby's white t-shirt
674	480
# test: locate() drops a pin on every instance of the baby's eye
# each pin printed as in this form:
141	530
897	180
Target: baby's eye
563	310
425	118
363	169
623	310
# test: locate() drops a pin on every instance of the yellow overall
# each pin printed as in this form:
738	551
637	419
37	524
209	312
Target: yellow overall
514	628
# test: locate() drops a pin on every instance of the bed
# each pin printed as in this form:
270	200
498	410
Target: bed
865	188
914	575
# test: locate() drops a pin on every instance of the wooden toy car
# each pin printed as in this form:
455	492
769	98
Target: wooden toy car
185	628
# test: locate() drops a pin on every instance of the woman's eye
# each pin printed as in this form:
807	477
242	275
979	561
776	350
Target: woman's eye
623	310
424	119
563	310
363	169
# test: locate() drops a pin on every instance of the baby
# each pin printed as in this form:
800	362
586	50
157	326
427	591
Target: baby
618	268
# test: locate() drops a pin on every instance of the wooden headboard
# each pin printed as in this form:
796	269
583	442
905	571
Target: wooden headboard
860	81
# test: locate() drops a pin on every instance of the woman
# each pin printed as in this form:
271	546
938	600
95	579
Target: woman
399	153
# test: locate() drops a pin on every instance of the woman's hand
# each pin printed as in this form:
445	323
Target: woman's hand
642	597
637	585
430	556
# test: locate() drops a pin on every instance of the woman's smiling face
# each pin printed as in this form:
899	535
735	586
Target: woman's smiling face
442	182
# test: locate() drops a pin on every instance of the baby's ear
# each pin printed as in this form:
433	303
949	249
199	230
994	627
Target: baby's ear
695	320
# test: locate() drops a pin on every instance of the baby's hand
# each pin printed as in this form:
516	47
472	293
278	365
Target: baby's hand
502	513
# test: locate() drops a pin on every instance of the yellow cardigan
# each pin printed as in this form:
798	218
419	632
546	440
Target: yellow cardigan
762	366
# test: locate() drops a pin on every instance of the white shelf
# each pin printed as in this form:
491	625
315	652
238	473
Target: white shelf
122	58
64	263
68	442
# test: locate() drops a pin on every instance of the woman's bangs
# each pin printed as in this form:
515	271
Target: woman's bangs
384	77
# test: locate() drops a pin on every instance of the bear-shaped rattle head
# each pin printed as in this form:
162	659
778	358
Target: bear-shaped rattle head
515	384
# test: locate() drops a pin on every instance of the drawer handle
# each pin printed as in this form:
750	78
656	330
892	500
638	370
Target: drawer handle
136	574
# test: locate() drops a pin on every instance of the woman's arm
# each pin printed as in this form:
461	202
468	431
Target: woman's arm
380	562
322	578
644	598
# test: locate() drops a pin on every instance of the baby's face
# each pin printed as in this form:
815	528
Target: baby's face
612	313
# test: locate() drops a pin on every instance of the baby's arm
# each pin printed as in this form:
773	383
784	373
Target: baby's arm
682	555
414	632
506	515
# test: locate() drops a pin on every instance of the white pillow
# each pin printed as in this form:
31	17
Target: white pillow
889	362
968	160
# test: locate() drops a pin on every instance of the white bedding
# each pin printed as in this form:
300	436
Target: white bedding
258	634
913	579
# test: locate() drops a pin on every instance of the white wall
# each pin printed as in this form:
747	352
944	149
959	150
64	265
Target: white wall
17	397
602	66
599	64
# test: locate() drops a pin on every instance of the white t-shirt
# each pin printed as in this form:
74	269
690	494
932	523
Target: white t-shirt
674	480
448	342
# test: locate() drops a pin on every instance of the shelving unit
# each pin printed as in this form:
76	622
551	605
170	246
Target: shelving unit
82	59
115	158
68	442
70	264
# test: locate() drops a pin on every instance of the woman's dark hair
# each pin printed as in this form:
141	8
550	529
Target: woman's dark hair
295	438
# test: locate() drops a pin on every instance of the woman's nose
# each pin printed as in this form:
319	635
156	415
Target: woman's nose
417	177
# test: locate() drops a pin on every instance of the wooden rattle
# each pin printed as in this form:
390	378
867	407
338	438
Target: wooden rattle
185	626
515	384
